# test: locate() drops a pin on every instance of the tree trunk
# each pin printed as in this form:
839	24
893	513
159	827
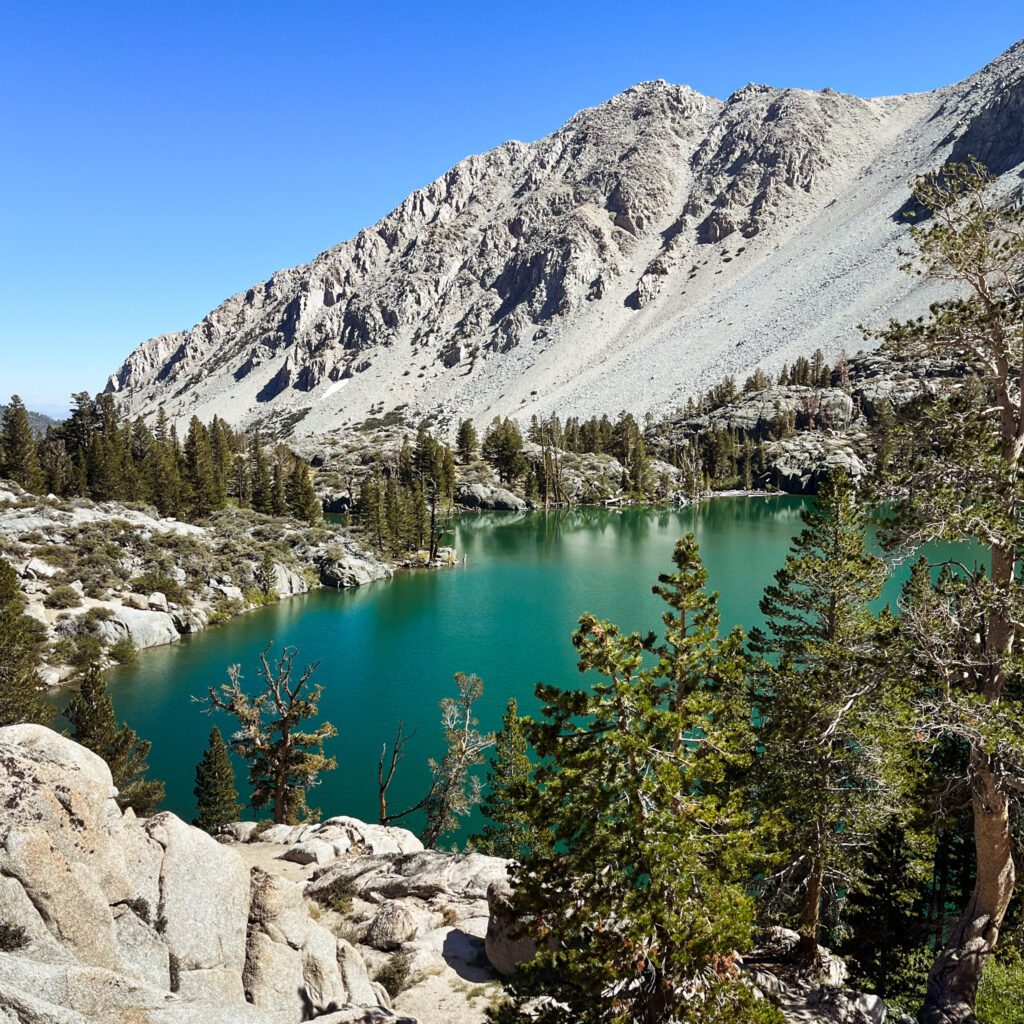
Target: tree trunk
807	951
953	980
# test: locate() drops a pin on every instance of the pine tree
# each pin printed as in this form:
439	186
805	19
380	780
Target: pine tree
19	658
279	490
434	471
215	792
266	575
161	469
511	771
284	759
302	500
957	475
93	724
466	443
503	449
883	917
637	905
207	493
828	768
453	790
19	460
262	487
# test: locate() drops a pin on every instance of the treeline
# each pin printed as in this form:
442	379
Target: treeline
540	474
405	504
812	373
98	454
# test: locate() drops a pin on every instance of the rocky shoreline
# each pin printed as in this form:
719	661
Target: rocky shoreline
96	576
108	917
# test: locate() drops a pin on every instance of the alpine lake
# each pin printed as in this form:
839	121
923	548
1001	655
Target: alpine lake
506	611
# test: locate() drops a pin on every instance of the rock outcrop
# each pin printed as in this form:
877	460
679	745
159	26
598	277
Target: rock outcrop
400	907
630	259
112	919
110	555
800	464
485	496
148	922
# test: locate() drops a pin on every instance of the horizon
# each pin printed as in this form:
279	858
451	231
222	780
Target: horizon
149	142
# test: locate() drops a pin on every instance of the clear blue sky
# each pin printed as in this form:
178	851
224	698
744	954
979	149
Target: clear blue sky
158	157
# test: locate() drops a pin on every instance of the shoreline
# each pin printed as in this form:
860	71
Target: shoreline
162	623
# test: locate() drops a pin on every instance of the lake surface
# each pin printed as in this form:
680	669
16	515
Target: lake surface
388	651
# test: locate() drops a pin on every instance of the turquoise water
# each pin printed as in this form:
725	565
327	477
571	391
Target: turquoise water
388	651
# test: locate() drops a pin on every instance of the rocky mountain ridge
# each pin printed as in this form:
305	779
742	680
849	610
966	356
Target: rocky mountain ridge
629	259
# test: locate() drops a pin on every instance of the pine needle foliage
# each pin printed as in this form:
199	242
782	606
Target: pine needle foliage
285	760
956	470
509	832
829	767
19	657
18	459
216	796
94	724
637	905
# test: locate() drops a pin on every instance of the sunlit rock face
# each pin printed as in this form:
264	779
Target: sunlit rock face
630	259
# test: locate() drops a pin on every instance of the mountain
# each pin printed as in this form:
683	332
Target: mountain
633	257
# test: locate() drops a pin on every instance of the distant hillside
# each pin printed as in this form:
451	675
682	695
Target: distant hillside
37	421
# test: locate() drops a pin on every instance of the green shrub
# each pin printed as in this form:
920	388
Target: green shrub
62	651
150	582
94	615
261	827
336	896
124	651
63	596
394	975
905	989
224	610
12	937
256	598
88	651
1001	992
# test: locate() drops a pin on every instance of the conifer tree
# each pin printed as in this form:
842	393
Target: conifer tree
94	724
216	796
453	790
285	760
302	500
220	450
466	443
266	575
503	449
262	486
161	469
207	494
637	905
19	658
510	833
279	490
956	474
827	769
19	460
434	469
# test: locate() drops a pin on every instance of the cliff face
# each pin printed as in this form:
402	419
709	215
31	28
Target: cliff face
631	258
